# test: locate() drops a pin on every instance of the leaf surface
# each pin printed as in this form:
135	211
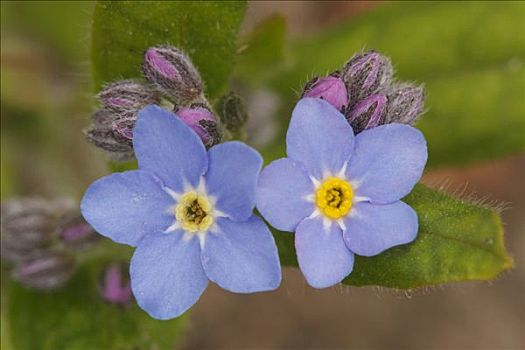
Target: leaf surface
206	31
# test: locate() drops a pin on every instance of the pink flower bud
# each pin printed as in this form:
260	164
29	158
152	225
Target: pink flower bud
331	89
112	133
126	97
368	113
201	120
172	72
115	286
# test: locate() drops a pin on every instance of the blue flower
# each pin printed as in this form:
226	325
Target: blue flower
341	193
189	213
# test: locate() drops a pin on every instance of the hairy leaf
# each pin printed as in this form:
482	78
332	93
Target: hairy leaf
470	56
457	241
206	31
76	318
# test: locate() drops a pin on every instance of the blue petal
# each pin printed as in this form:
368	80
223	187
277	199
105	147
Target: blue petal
387	162
232	177
242	256
372	229
323	256
167	277
126	206
319	137
168	148
281	194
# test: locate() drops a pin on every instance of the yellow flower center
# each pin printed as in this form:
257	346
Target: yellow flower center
194	212
334	197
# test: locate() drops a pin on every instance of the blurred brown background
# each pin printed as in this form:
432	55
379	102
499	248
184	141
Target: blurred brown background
458	316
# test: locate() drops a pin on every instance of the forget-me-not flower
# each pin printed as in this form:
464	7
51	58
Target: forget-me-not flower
189	213
341	193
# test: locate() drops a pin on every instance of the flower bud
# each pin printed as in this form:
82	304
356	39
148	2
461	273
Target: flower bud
115	286
172	72
366	74
75	232
27	223
368	113
112	133
405	104
331	89
46	271
14	253
232	112
201	120
127	97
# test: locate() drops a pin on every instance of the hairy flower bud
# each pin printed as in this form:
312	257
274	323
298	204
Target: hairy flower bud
201	120
368	113
331	89
366	73
75	232
112	133
126	97
232	112
27	223
172	72
405	104
115	285
46	271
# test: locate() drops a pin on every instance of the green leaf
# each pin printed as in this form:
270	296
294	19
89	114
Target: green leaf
76	318
206	31
262	51
470	56
457	241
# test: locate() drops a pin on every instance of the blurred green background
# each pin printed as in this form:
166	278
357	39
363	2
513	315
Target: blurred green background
471	57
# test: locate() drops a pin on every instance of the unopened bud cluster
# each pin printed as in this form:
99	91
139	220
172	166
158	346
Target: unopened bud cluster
172	82
364	91
39	238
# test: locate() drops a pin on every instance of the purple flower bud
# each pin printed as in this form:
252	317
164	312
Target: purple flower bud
46	271
331	89
113	133
127	97
366	74
172	72
405	104
368	113
115	287
202	121
123	129
75	232
232	112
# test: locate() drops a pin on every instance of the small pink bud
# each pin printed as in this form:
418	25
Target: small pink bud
201	120
115	286
331	89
